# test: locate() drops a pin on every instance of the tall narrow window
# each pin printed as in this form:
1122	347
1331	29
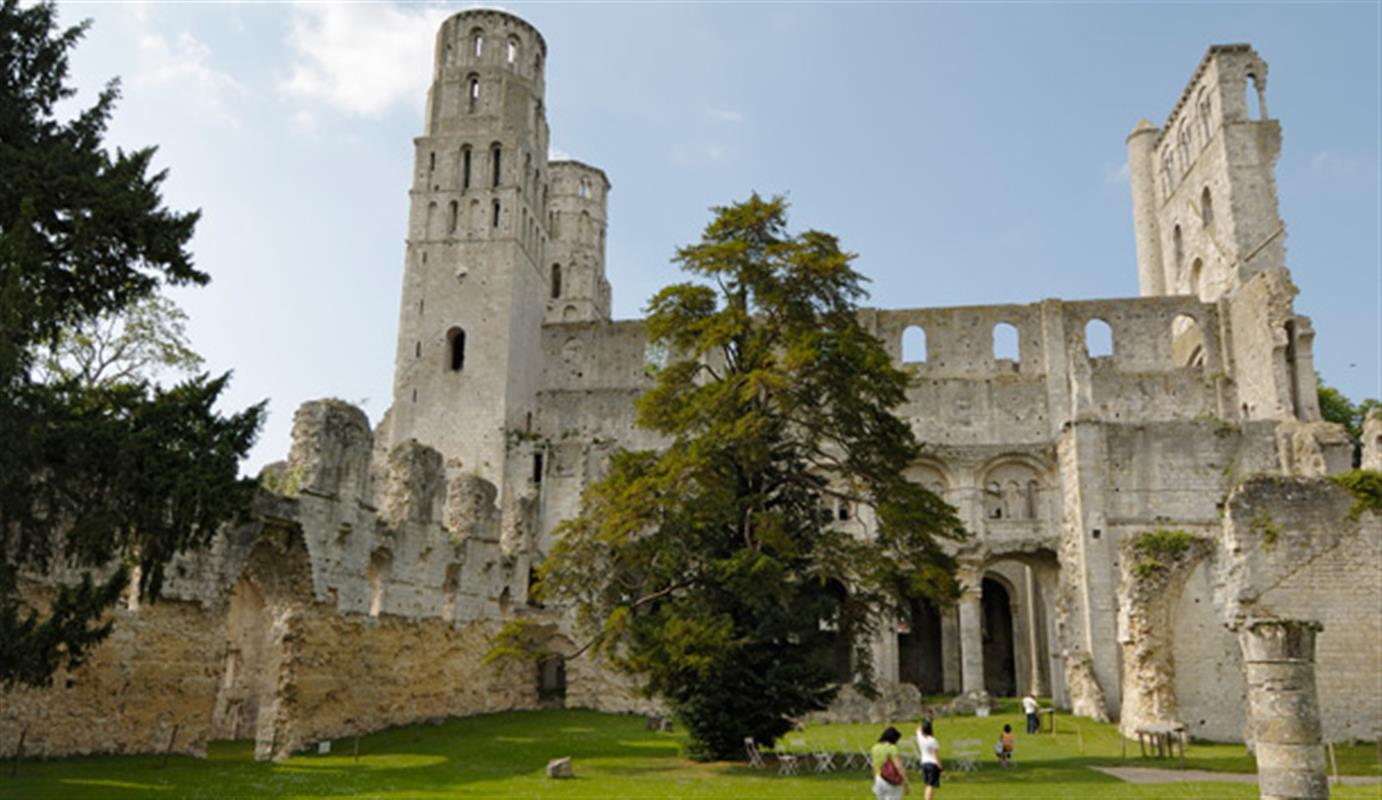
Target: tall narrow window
431	162
556	281
513	51
1177	246
465	168
453	214
478	42
495	223
474	93
1206	207
537	468
495	155
1006	343
457	341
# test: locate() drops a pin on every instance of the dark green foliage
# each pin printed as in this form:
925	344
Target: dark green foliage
1366	486
1335	407
713	568
99	478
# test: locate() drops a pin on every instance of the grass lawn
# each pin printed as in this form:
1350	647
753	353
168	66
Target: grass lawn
504	755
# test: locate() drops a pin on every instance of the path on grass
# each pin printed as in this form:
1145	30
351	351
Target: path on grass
1154	775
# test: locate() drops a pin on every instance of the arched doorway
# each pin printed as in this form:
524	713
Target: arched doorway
1000	663
248	682
919	649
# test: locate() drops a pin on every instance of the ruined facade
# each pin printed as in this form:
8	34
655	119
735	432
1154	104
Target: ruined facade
381	561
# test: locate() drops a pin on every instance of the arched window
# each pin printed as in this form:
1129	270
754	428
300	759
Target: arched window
1254	99
1098	338
456	344
1006	343
1206	207
431	219
465	168
474	92
1178	245
914	345
495	222
431	162
496	153
1196	278
477	39
513	52
1206	123
1187	341
451	219
417	350
556	281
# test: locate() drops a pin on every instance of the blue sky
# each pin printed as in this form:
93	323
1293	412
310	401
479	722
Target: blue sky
967	153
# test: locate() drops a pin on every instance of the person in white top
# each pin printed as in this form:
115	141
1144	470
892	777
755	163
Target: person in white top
1029	705
930	750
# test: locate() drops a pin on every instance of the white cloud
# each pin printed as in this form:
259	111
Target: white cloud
1328	164
185	62
724	115
1118	175
362	58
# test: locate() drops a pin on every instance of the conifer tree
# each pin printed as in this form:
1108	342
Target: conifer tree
717	569
98	481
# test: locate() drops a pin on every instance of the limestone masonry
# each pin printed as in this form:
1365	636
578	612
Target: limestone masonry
1139	517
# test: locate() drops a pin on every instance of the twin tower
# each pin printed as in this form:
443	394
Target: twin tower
500	242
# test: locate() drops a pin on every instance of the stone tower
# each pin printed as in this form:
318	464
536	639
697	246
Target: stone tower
474	284
1204	188
576	220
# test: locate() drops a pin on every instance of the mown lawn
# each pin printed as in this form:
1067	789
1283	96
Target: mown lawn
504	755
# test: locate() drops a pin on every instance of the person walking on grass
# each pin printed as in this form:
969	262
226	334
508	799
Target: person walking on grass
1029	705
1005	746
889	773
930	750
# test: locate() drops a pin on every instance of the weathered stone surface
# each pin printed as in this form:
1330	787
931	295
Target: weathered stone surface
560	768
894	702
1086	696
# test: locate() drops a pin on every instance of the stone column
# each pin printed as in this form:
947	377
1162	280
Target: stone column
971	639
1283	709
1035	685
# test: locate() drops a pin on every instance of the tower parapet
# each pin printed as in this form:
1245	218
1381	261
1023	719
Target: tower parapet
577	216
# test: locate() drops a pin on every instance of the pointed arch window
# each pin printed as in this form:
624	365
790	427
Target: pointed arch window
556	281
496	153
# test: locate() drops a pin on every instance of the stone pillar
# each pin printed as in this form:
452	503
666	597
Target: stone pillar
1283	709
1035	684
1142	177
971	640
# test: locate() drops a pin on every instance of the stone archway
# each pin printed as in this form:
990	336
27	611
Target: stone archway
272	592
1000	657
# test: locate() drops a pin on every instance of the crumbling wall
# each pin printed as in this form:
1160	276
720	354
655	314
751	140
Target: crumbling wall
155	676
1154	566
1209	687
1303	548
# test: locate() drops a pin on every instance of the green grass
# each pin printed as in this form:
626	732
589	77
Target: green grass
504	755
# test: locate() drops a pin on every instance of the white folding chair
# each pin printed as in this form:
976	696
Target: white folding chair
847	753
825	760
966	755
786	763
755	757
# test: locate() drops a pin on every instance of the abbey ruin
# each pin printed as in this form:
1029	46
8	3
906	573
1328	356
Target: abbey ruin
1145	522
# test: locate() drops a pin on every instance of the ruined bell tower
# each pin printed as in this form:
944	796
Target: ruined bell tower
1205	208
474	282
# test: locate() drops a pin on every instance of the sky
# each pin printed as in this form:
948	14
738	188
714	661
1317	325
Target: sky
968	153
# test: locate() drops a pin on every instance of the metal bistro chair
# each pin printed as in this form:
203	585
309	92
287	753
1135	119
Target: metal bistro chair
755	757
849	755
966	755
786	761
825	760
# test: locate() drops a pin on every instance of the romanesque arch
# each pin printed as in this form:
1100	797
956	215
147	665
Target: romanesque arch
274	588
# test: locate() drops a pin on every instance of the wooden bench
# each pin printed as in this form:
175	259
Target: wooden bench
1160	740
